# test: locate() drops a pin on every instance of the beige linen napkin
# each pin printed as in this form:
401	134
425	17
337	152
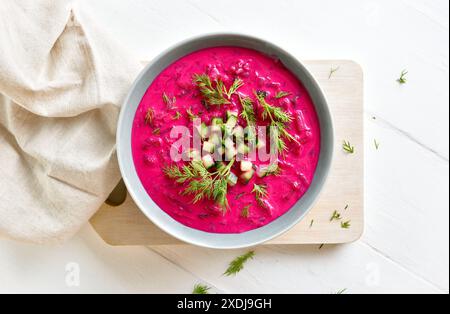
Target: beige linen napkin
62	82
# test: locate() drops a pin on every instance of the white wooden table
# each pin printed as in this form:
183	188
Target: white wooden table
405	247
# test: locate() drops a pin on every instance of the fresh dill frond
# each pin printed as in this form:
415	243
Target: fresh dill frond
376	143
272	170
201	183
347	147
282	94
213	95
336	216
245	212
191	115
238	83
332	71
402	78
149	116
311	224
169	101
346	207
248	112
260	193
177	116
201	289
346	224
342	291
238	263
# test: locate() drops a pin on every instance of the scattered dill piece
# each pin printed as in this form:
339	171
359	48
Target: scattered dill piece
321	246
149	116
402	78
201	183
248	112
238	83
347	147
239	196
157	131
311	224
245	212
191	115
346	224
282	94
260	193
336	216
201	289
214	95
177	116
272	170
332	71
237	264
376	143
346	207
342	291
169	101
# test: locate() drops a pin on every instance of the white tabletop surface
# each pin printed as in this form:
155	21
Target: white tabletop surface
405	247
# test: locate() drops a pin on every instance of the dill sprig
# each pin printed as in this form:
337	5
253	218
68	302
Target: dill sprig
332	71
342	291
177	116
216	93
260	193
278	120
336	216
201	289
377	144
311	224
201	183
238	83
149	116
169	101
245	212
248	112
237	264
282	94
192	116
402	78
346	224
347	147
272	170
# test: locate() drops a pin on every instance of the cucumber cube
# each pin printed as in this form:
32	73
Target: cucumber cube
232	113
232	179
238	131
216	129
229	143
216	140
208	147
208	161
230	153
261	145
243	149
231	122
194	154
217	121
246	176
246	165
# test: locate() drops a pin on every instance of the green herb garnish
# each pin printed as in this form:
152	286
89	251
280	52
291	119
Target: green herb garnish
279	118
346	224
200	289
260	193
282	95
346	207
191	115
336	216
202	184
169	101
321	246
402	78
216	93
177	116
311	224
376	143
245	212
156	131
237	264
149	116
248	112
347	147
341	291
332	71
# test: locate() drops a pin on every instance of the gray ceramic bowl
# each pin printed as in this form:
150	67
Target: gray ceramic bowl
163	220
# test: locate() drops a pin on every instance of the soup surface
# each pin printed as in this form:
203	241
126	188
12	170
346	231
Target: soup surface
229	89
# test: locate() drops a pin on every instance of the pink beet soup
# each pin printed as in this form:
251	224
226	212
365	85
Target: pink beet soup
175	96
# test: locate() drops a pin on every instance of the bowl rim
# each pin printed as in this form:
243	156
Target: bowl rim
121	152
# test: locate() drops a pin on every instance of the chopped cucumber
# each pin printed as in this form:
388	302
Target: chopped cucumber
246	176
220	165
231	122
215	139
230	153
208	147
204	131
194	154
208	161
217	121
246	165
216	129
243	149
238	131
261	145
232	179
220	151
229	143
227	132
232	113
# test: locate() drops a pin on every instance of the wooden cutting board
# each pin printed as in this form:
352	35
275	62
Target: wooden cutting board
344	191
